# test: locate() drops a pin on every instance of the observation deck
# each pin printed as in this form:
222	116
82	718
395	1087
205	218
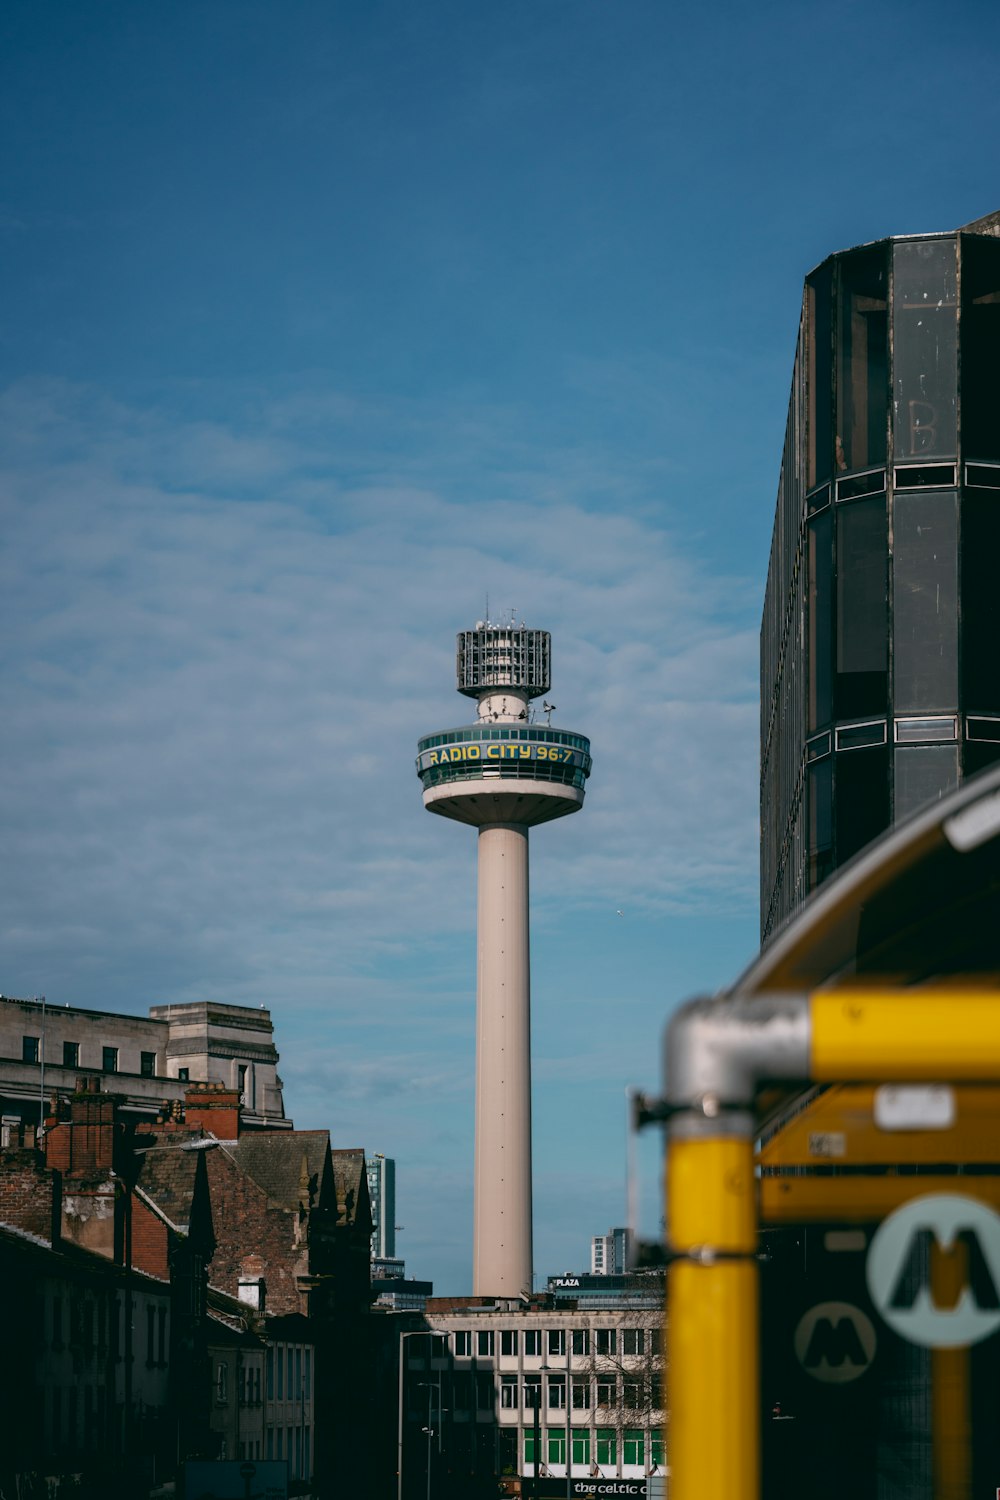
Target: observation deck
503	772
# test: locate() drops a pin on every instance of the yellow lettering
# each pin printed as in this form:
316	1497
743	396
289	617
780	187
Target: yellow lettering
434	758
493	752
474	752
524	751
455	753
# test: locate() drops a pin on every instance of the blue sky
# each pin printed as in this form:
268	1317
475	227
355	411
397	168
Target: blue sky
321	323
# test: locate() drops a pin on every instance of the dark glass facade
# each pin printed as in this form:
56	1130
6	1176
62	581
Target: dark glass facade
880	681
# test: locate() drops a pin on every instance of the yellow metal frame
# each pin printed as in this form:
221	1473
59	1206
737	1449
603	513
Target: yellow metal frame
712	1301
940	1035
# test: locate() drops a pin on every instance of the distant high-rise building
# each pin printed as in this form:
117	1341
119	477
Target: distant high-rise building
503	775
609	1253
880	676
381	1171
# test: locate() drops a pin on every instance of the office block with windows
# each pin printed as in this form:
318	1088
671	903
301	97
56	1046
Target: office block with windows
880	682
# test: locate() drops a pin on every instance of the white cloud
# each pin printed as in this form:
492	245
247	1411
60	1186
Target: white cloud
225	641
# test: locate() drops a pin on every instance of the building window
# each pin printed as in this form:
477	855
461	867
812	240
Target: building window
607	1390
557	1445
221	1384
581	1395
109	1059
183	1075
557	1393
147	1064
532	1392
269	1376
463	1343
581	1445
508	1392
633	1448
484	1392
71	1054
461	1390
557	1341
631	1340
529	1446
656	1450
862	360
581	1340
607	1448
279	1361
925	352
308	1390
655	1339
632	1393
241	1082
484	1343
507	1438
532	1341
606	1342
508	1341
29	1049
57	1329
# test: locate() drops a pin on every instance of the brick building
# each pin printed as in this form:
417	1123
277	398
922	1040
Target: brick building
277	1222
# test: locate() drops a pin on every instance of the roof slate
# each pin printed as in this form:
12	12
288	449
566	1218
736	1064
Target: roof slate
167	1176
289	1165
353	1202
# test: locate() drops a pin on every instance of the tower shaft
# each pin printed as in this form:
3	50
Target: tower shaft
502	1212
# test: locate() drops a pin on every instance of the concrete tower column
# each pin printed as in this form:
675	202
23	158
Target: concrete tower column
502	1212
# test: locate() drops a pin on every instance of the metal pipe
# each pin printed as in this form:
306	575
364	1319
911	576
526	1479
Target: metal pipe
712	1297
931	1034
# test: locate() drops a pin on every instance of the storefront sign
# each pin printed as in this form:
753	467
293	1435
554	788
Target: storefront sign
584	1489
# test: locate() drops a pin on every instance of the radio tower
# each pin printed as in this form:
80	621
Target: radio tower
503	774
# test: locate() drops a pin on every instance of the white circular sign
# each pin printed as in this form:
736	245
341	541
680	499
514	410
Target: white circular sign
934	1271
835	1342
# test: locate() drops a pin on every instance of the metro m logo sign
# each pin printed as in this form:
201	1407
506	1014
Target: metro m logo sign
934	1271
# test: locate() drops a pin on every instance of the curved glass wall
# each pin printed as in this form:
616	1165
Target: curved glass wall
880	673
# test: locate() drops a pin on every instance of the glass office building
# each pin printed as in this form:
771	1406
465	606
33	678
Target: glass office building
880	677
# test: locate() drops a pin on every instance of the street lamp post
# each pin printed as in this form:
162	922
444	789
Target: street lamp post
422	1333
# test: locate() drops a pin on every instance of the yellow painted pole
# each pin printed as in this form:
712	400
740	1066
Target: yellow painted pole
712	1369
904	1035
